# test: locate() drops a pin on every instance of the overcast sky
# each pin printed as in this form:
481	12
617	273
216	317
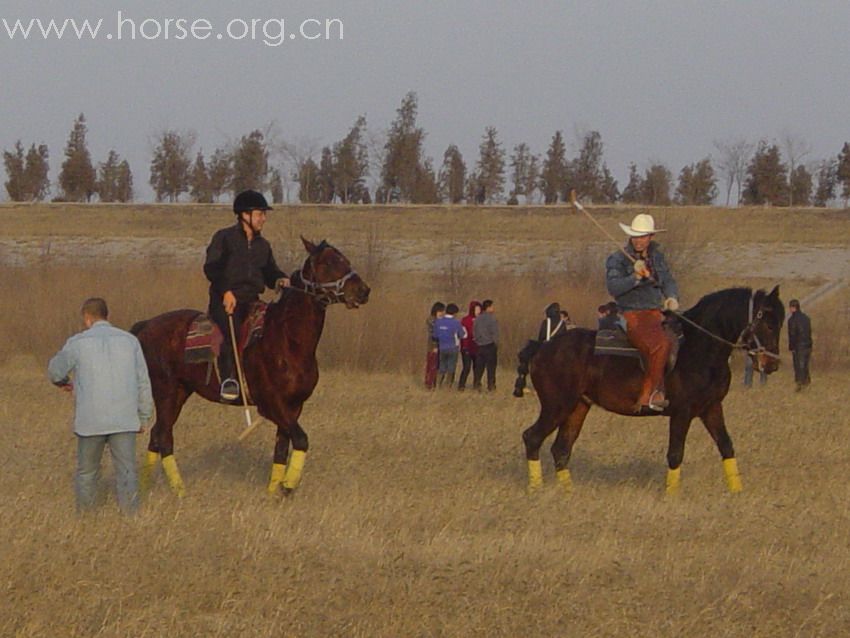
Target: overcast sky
660	80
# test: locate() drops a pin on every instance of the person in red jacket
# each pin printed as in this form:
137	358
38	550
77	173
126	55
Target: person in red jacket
468	347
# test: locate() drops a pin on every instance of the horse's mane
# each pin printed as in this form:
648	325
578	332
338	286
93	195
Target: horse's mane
720	311
716	302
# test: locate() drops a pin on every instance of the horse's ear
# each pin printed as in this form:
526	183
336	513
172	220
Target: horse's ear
308	245
775	292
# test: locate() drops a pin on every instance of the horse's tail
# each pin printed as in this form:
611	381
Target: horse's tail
525	356
139	326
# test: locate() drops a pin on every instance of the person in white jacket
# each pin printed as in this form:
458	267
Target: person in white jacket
105	369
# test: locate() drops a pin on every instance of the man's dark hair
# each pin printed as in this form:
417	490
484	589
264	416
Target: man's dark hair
794	303
486	304
437	307
95	307
452	309
613	308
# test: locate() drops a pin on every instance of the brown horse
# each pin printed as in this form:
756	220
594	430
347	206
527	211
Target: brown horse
280	368
569	378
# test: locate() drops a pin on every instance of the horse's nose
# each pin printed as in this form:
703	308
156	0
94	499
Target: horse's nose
364	292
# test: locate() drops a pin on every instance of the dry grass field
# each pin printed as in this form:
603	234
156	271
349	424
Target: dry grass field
412	518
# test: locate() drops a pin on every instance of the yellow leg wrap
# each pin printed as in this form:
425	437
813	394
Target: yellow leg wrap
148	468
733	479
276	479
169	466
293	470
674	480
535	475
565	480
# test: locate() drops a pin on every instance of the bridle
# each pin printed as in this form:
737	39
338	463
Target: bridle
326	293
748	339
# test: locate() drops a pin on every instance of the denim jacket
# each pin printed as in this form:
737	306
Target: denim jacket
111	385
645	294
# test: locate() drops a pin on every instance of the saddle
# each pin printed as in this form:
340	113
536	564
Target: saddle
616	342
204	339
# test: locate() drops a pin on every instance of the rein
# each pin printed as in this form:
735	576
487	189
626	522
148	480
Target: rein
749	330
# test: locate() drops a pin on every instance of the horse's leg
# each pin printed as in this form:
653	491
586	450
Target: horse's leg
296	460
562	447
680	423
168	402
287	474
550	417
716	426
281	451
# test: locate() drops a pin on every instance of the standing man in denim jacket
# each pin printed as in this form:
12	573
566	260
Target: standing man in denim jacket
643	287
106	370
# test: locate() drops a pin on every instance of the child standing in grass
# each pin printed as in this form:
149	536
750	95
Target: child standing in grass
432	358
448	331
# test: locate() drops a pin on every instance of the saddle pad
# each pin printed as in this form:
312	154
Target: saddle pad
203	341
614	342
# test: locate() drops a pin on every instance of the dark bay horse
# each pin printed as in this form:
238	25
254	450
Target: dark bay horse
280	368
569	379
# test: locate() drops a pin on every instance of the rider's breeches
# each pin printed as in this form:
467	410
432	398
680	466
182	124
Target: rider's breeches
646	333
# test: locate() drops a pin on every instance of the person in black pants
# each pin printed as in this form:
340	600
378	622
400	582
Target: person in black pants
486	335
239	267
800	343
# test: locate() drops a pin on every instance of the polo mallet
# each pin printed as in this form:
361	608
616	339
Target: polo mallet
244	388
577	205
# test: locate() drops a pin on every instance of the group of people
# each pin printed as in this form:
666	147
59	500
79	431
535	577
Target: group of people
105	368
474	340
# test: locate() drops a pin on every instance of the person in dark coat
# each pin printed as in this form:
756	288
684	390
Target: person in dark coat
608	317
485	331
553	323
800	343
239	266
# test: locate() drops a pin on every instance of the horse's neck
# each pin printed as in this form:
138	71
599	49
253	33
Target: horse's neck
726	321
298	317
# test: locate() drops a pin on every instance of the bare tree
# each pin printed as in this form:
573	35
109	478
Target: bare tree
376	145
294	153
796	148
732	163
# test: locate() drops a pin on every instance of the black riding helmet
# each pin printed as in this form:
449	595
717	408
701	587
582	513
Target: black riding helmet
249	200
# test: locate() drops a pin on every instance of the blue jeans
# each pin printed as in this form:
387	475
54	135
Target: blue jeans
748	373
122	445
448	365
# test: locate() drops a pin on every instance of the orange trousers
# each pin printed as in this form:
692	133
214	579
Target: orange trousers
646	333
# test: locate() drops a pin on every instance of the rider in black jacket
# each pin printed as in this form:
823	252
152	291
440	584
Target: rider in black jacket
240	266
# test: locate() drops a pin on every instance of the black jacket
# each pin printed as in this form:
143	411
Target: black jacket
799	331
234	263
553	319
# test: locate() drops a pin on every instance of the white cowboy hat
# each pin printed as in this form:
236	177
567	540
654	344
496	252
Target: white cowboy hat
642	225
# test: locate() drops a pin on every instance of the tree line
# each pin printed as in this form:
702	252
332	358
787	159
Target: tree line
394	161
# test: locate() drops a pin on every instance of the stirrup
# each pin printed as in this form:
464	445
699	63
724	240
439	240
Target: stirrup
229	389
657	406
